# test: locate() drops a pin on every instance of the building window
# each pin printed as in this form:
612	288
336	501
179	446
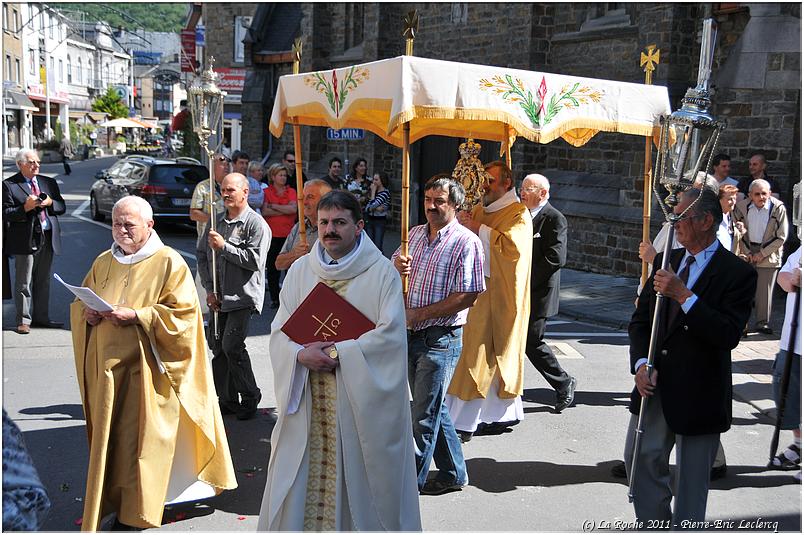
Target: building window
50	27
18	70
61	71
69	70
242	25
5	17
78	71
31	61
354	25
52	71
8	64
17	21
41	20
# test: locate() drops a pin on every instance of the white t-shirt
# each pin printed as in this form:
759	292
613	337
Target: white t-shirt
794	261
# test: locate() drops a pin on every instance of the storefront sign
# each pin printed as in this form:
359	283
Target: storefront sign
346	134
188	63
231	80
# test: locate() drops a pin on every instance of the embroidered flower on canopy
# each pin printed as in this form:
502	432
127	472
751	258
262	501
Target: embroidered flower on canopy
337	89
537	107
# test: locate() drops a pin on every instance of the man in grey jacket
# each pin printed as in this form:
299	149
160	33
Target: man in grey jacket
241	242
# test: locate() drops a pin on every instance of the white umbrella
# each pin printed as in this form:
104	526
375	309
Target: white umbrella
124	123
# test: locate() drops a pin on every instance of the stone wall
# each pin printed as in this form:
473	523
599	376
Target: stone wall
597	40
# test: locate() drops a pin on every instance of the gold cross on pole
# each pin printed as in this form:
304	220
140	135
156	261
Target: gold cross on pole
648	61
411	21
297	52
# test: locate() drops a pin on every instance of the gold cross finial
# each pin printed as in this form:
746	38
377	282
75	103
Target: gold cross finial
411	27
648	61
297	52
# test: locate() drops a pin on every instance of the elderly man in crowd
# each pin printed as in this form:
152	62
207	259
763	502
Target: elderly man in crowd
708	292
549	256
241	244
765	221
31	206
293	248
488	381
757	169
155	433
341	449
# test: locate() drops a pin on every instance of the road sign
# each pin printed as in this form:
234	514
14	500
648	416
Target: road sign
345	134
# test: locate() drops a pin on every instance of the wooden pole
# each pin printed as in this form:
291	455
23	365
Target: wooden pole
648	62
297	150
508	147
411	27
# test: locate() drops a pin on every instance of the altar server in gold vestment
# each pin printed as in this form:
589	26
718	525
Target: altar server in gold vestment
154	427
342	453
487	383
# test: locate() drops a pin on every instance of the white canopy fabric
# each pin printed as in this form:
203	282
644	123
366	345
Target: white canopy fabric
466	100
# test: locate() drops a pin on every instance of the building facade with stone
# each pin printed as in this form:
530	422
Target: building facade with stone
756	91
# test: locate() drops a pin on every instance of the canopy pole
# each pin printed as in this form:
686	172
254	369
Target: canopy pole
405	197
507	133
411	27
648	62
297	150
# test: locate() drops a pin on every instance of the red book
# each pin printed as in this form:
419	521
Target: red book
325	316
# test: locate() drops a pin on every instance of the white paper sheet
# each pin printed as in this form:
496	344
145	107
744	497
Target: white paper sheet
87	296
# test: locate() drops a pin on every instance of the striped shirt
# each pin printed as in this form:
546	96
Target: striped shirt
452	263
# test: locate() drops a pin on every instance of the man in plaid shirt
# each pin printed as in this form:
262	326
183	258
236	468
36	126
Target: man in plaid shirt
445	270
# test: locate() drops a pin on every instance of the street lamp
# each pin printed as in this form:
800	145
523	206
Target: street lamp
205	101
687	143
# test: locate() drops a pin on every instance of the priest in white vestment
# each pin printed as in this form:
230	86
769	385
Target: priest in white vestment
342	453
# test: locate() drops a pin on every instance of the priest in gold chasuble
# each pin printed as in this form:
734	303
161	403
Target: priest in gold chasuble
488	379
154	427
342	453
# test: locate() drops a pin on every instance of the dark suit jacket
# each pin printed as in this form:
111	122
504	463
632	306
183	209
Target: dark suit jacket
693	358
549	256
23	230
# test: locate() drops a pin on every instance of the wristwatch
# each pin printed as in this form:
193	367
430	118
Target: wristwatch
333	353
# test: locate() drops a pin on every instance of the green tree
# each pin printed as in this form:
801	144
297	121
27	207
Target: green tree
110	103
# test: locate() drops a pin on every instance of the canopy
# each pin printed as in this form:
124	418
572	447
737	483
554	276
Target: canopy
125	122
466	100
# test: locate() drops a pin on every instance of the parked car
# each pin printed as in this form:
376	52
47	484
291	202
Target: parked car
167	184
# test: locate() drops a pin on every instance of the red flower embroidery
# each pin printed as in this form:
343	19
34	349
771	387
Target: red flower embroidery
542	92
335	93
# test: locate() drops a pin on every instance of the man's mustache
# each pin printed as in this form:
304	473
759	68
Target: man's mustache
331	237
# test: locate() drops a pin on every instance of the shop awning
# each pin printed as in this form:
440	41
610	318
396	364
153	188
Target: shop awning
16	100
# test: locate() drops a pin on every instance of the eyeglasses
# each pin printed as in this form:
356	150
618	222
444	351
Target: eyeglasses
33	162
290	161
530	190
223	159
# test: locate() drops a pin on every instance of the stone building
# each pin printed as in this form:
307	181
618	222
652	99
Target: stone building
757	91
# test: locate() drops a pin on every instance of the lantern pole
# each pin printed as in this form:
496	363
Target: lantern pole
297	149
411	27
648	61
206	119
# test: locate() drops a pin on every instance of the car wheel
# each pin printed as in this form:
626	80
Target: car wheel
94	210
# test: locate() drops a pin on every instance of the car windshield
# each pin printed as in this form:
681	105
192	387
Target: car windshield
178	174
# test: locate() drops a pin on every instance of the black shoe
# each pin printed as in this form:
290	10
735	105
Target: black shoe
717	472
568	397
47	324
435	487
618	470
765	329
465	436
228	407
248	408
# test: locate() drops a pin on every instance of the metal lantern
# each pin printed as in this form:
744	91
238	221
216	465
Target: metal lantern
688	140
206	108
689	135
205	100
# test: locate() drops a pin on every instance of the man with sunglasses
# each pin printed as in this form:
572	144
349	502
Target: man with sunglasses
289	161
31	206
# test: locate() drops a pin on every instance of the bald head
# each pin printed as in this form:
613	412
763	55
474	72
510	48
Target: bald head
234	190
535	190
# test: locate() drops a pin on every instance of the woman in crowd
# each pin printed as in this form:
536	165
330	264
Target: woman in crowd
254	174
279	210
377	209
359	182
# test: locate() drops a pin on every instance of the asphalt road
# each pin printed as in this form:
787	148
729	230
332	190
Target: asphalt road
550	473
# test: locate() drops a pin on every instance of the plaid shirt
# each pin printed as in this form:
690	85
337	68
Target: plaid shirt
453	263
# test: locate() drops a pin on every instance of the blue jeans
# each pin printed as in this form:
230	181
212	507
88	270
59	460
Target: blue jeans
375	228
432	356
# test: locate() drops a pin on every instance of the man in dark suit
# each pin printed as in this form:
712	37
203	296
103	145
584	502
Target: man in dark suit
549	256
689	389
31	204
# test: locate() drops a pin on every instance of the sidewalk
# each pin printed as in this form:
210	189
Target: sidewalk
609	300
